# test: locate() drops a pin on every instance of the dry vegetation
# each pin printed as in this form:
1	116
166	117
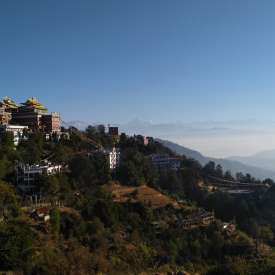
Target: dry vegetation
142	194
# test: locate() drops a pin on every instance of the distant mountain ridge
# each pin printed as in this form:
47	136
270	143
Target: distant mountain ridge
264	159
228	164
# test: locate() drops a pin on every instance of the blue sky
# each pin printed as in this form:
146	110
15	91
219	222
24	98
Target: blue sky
155	60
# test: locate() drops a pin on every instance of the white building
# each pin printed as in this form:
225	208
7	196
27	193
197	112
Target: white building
28	175
114	158
16	130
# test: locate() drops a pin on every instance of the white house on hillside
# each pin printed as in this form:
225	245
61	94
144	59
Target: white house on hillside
28	175
16	130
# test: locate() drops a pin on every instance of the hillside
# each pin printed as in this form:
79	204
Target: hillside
234	166
136	218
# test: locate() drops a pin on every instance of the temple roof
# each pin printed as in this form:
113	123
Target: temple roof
33	102
8	103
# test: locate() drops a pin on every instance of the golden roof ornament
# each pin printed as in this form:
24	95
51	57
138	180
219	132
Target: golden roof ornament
33	102
9	103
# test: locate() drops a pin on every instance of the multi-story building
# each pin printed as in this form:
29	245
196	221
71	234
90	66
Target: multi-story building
28	175
114	158
5	117
34	115
30	113
51	123
200	218
6	107
113	131
165	161
18	132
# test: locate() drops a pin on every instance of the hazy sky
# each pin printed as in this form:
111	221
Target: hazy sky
213	138
156	60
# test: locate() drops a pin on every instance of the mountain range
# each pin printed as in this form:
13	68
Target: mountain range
232	165
264	159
